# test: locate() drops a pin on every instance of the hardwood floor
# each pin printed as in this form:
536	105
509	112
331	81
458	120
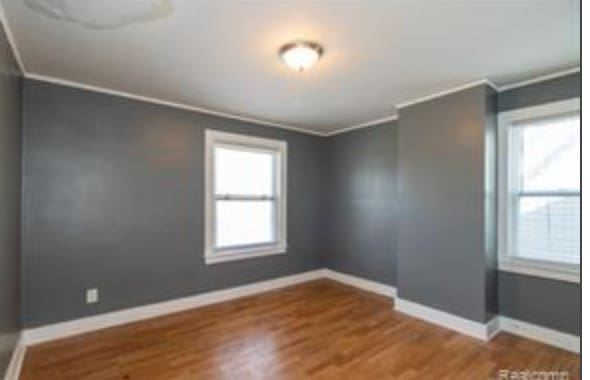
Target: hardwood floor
317	330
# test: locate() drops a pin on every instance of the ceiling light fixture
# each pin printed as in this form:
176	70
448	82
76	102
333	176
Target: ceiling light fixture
300	55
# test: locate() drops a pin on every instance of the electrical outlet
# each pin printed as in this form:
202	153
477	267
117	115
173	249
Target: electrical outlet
92	295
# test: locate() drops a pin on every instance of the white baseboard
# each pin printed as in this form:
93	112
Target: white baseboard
493	327
487	331
541	334
83	325
481	331
16	361
361	283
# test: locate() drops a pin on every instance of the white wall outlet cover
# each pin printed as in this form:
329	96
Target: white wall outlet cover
92	295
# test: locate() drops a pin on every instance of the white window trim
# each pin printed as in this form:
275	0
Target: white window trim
507	262
280	246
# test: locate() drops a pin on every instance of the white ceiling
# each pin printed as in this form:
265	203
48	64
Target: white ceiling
222	55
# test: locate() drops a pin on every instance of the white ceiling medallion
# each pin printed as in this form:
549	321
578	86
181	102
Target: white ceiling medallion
98	14
300	55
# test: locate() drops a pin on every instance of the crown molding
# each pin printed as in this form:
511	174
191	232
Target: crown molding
542	78
83	86
447	92
370	123
148	99
11	40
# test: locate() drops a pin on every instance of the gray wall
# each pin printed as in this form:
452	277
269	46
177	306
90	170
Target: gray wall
549	303
446	243
362	170
113	198
545	302
10	196
362	203
564	87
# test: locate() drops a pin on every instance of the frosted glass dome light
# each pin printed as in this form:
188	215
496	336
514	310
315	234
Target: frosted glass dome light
300	56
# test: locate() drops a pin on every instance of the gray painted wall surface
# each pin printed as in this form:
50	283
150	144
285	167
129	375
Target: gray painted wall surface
113	198
102	173
565	87
443	246
549	303
10	196
362	203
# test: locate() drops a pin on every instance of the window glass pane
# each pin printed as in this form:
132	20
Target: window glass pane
550	154
243	172
548	228
244	223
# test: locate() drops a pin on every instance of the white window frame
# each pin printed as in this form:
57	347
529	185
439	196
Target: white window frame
507	261
249	143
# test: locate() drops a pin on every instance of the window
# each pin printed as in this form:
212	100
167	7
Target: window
245	196
539	215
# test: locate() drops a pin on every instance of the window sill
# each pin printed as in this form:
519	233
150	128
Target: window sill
221	257
553	271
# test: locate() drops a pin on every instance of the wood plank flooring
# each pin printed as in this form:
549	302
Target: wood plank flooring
316	330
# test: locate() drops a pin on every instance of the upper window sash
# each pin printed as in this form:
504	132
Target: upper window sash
509	190
249	144
517	125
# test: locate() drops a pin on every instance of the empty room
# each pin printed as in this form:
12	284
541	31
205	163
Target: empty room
261	190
